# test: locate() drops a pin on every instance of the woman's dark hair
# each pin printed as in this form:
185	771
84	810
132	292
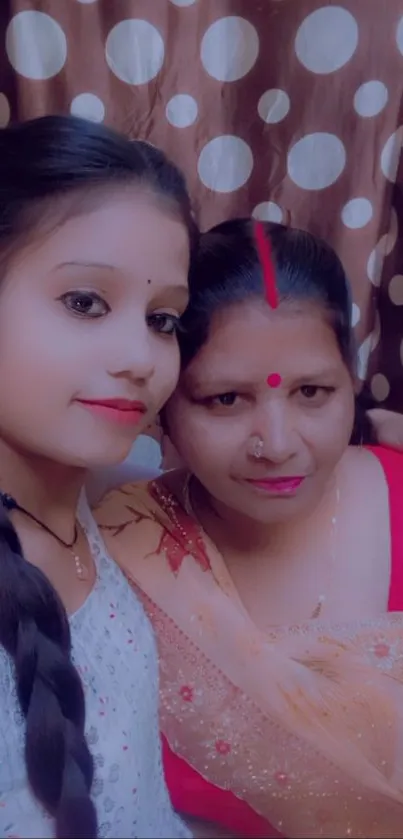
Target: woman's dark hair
42	164
226	270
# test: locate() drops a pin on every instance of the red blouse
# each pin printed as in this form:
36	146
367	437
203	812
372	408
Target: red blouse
194	797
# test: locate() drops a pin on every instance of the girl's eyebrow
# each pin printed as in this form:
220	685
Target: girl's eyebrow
86	265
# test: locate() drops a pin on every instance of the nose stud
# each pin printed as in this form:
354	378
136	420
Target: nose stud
255	446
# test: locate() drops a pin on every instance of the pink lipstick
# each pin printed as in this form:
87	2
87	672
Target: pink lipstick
120	411
278	486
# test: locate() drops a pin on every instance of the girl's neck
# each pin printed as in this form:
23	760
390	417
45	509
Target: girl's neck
48	490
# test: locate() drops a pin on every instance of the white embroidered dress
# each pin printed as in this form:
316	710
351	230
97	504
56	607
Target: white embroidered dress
115	654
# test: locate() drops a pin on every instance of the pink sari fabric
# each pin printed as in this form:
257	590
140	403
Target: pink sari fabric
305	724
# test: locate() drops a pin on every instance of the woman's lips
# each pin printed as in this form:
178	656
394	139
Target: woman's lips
120	411
278	486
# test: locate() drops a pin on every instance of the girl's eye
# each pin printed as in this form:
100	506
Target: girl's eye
85	304
227	400
163	323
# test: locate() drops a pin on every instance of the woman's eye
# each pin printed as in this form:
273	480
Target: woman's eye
85	304
163	323
315	392
225	399
309	391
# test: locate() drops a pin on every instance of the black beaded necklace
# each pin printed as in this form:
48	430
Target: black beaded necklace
10	504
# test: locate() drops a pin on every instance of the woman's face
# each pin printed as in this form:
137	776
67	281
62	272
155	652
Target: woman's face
88	314
223	400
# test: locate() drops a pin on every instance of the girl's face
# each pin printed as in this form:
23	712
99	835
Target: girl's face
88	314
223	400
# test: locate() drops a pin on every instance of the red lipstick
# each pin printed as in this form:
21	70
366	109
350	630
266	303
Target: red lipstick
278	486
121	411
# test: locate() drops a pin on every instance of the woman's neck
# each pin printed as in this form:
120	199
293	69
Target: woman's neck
232	531
48	490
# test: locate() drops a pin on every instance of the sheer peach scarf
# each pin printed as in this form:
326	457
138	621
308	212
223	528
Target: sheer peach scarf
306	724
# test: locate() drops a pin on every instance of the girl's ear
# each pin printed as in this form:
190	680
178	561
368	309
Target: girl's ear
388	427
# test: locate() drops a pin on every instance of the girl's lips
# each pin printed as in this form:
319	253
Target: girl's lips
278	486
120	411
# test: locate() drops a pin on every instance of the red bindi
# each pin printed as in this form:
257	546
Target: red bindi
274	380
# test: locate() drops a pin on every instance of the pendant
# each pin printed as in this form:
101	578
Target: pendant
81	570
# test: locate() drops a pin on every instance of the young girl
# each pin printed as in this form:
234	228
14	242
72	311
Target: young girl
94	247
269	564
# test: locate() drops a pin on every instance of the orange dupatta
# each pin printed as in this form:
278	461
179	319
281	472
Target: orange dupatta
305	724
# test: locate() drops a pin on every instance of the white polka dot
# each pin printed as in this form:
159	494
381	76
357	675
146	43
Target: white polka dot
183	2
380	387
181	110
88	106
4	110
396	290
225	163
229	48
399	36
273	105
357	213
36	45
391	154
134	51
327	39
355	315
316	161
376	260
370	99
268	211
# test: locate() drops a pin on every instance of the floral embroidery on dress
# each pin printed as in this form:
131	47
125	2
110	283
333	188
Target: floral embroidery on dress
184	537
186	693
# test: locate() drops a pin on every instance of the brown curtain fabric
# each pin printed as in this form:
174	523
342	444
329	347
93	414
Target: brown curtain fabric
288	109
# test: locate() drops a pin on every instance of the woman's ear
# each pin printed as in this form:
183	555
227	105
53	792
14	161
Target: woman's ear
388	427
170	457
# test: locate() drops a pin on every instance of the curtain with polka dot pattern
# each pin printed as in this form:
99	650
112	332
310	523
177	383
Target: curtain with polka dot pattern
290	110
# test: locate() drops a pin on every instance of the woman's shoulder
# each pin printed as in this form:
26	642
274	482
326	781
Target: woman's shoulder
378	464
374	476
132	515
137	495
391	461
122	504
364	486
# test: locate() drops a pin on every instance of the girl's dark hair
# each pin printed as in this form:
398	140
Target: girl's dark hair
226	270
43	162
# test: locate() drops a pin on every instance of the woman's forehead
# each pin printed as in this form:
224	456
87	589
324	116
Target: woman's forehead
245	339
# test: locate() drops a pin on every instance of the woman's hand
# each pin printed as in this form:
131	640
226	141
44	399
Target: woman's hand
388	426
